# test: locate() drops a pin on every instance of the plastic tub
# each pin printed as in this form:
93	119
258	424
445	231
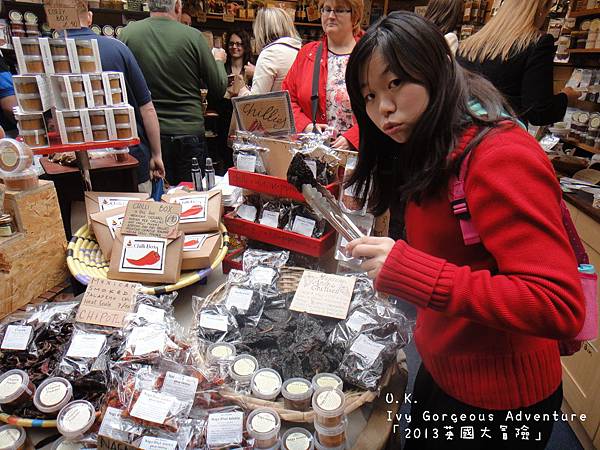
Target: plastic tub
21	181
327	380
87	64
34	64
53	394
319	446
84	47
31	121
78	99
72	118
297	439
266	384
30	102
100	133
99	99
76	82
333	437
117	96
26	86
15	386
61	64
124	131
242	368
12	437
97	117
114	79
297	394
220	352
14	155
75	419
75	135
263	425
96	81
328	404
35	138
58	47
66	444
31	46
121	115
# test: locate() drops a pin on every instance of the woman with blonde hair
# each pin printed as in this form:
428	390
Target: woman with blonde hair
278	43
512	52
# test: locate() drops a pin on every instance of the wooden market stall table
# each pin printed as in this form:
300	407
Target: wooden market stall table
107	175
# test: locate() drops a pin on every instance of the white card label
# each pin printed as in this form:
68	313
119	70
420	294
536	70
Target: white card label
262	275
367	348
151	314
106	203
193	242
247	212
213	321
357	320
225	428
110	424
270	219
247	163
240	298
86	345
16	337
193	208
303	226
114	223
143	255
146	340
152	406
312	165
182	387
154	443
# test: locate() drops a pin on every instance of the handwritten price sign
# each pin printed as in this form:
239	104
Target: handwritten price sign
63	14
266	114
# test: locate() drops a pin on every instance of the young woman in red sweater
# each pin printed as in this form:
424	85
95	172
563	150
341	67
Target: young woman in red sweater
489	314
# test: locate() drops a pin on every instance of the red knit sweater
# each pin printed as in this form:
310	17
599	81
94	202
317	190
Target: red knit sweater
489	315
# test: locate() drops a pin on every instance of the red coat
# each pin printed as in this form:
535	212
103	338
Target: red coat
298	83
489	315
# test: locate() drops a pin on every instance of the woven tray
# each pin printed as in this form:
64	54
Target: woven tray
30	423
288	282
85	261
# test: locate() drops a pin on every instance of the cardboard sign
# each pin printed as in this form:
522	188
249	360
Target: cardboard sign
265	114
323	294
63	14
106	302
106	443
151	219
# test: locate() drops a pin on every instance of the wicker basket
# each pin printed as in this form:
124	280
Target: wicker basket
288	282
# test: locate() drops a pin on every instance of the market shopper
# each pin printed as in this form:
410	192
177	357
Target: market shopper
512	52
341	24
447	16
489	313
176	61
115	56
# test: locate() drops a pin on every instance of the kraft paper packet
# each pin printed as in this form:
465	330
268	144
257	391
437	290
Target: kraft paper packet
101	201
105	225
200	212
200	256
146	259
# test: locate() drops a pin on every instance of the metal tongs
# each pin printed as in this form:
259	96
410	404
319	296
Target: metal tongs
325	204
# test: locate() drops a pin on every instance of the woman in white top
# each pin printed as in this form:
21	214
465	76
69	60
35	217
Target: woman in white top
446	15
278	43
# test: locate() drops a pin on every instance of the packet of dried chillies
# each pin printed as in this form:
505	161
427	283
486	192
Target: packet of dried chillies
154	308
221	429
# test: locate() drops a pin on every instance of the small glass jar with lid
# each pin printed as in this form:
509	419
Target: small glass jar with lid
7	225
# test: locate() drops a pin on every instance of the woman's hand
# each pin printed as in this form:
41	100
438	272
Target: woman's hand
572	94
236	86
342	143
249	70
374	250
320	128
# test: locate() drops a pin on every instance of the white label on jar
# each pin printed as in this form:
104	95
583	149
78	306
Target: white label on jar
297	441
224	428
247	212
329	400
247	163
244	367
76	418
357	320
367	348
16	337
267	383
86	345
270	219
264	422
152	406
328	382
154	443
53	393
10	385
151	314
221	351
9	437
213	321
106	203
110	424
297	387
182	387
262	275
240	298
312	165
10	157
147	340
303	226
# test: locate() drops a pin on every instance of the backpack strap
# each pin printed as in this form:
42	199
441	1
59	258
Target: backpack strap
314	98
578	248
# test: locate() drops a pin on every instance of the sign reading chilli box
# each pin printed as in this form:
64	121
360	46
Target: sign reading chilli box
265	114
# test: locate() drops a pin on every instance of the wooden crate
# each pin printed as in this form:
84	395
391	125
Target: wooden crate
34	260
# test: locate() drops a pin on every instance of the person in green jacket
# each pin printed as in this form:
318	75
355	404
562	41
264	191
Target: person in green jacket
177	63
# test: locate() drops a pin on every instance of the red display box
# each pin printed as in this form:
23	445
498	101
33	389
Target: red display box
266	184
229	262
57	147
280	238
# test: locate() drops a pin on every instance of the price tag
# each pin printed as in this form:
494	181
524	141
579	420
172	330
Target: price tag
151	314
240	298
247	163
247	212
16	337
367	348
154	443
86	345
312	165
153	406
224	428
303	226
182	387
270	219
262	275
146	340
213	321
357	320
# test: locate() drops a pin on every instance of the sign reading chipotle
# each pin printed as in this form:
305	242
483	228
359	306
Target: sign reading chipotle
265	114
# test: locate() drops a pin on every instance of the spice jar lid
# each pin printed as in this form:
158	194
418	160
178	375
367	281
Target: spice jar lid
52	394
30	18
98	92
123	126
29	41
332	431
297	389
327	380
32	58
297	439
266	382
75	418
12	437
96	112
108	30
263	424
73	129
329	402
15	156
96	29
220	351
57	42
60	58
83	43
73	94
13	383
69	114
99	127
87	59
15	16
243	367
5	218
116	91
64	443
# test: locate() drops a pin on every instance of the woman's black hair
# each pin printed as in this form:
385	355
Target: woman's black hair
246	45
416	52
445	14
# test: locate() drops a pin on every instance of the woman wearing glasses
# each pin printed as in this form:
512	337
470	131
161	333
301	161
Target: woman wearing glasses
341	25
